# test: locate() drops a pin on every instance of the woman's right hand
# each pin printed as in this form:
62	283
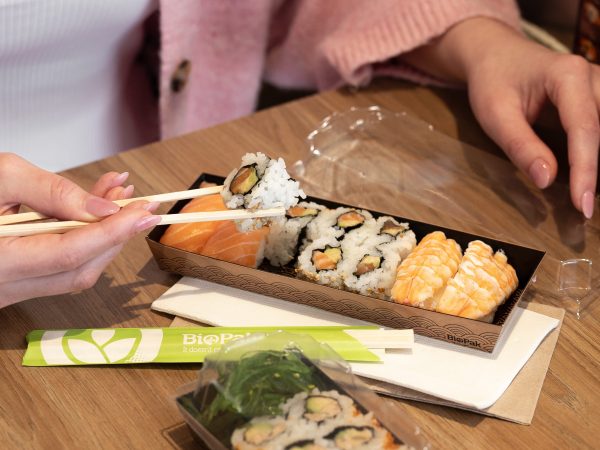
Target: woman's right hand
50	264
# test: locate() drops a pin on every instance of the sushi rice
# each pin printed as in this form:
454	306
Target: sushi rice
385	250
260	183
328	223
375	277
285	237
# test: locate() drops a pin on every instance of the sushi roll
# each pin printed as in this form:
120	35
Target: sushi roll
285	237
260	433
319	262
319	407
341	222
371	262
401	237
361	436
260	183
371	268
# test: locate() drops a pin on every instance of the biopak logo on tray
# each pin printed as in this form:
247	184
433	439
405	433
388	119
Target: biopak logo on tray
64	347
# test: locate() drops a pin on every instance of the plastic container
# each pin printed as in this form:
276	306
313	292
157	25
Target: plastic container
283	390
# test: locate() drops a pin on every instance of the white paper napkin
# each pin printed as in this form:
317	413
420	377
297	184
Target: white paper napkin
459	374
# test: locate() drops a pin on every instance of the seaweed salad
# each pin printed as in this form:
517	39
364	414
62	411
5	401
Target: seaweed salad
256	385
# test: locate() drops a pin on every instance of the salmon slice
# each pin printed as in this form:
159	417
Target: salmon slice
193	236
229	244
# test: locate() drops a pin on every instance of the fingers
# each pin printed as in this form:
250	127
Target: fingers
107	182
505	123
572	91
10	208
84	277
110	186
119	193
47	192
48	254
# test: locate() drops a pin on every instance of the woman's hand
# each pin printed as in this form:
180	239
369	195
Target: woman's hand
510	79
52	264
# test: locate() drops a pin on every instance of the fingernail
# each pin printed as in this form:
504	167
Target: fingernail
100	207
120	179
151	206
587	204
539	171
146	222
128	191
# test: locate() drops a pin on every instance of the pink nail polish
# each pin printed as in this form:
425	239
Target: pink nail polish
587	204
146	222
151	206
100	207
120	179
539	171
128	191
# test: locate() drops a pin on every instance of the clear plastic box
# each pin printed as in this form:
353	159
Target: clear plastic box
285	390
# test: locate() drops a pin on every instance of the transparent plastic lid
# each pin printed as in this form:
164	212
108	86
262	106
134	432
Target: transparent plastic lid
371	156
395	163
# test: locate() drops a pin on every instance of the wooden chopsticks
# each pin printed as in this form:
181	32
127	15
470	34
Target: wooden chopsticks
168	197
384	339
10	225
30	229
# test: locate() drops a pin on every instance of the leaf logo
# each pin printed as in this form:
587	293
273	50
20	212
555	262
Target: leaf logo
100	346
99	352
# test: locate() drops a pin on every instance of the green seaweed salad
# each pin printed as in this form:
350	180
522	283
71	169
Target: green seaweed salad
255	385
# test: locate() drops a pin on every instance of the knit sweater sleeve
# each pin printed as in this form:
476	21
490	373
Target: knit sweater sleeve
325	44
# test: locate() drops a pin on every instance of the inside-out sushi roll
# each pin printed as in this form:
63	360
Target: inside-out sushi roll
340	222
285	236
348	437
260	183
259	433
359	432
319	407
371	268
402	238
320	261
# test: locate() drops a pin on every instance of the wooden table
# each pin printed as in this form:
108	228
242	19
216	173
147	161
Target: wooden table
132	407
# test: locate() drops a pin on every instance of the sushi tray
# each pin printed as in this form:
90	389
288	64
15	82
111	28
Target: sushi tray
286	391
290	284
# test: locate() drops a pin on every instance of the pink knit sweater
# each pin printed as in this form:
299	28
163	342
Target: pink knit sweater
231	45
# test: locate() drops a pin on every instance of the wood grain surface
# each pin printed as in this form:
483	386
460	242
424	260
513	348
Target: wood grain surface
133	407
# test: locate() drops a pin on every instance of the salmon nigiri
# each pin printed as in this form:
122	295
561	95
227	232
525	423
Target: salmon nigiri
193	236
229	244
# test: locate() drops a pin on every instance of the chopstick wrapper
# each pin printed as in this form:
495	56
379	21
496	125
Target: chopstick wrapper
179	345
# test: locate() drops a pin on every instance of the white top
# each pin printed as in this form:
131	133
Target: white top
64	68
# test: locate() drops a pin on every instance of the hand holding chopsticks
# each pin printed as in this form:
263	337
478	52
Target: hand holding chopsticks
15	229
